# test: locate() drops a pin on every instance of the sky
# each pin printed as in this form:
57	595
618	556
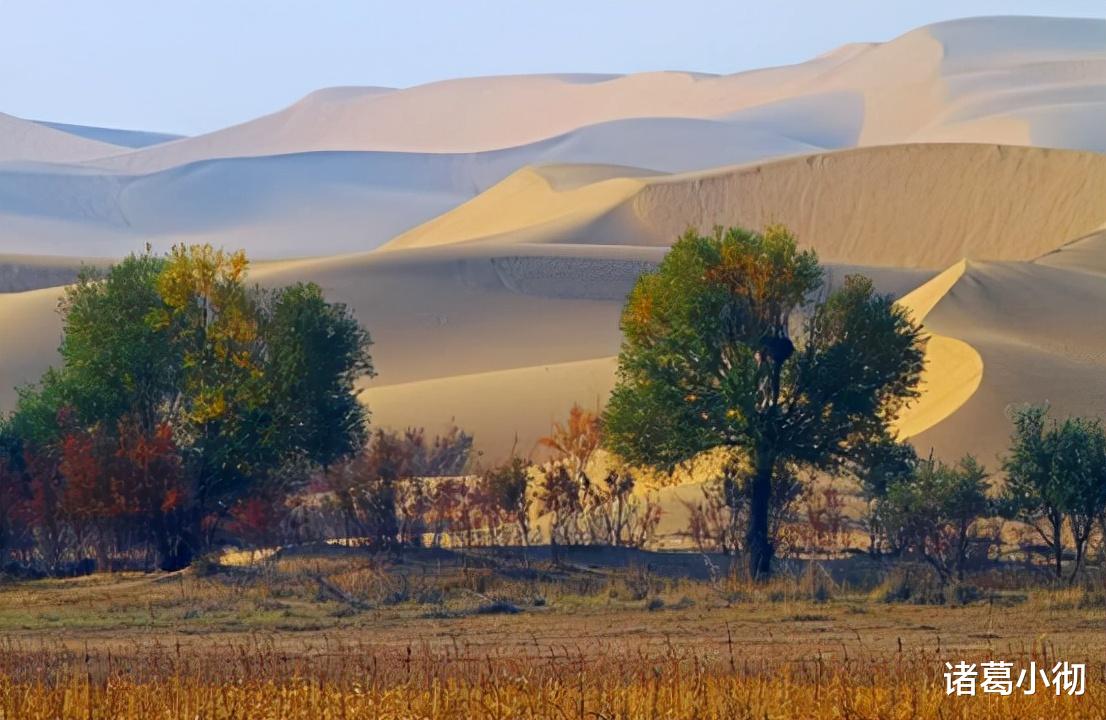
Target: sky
198	65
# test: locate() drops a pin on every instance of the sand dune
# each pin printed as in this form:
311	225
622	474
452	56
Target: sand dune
1084	254
905	85
546	318
31	329
1003	333
906	205
533	205
488	404
346	169
348	201
474	115
283	206
959	164
502	337
26	141
953	368
114	136
20	273
1044	79
1040	333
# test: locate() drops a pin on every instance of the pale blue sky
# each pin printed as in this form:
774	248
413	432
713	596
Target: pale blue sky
197	65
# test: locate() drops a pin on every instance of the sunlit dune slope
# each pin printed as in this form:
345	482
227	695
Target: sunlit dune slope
953	368
534	205
30	329
1041	335
904	205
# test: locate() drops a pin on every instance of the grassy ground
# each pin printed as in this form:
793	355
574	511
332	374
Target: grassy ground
449	635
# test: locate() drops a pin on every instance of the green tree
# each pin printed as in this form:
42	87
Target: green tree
212	322
881	464
707	360
267	380
113	361
15	491
933	512
253	384
315	351
1056	471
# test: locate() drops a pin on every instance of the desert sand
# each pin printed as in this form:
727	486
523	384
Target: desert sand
25	141
486	230
918	205
353	167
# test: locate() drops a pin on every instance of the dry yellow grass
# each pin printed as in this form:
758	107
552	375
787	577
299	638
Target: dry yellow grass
616	640
258	682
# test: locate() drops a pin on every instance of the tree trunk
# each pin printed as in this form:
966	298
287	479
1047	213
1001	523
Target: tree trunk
103	564
174	549
1081	533
728	536
1058	546
1078	560
173	554
756	539
961	552
524	530
873	531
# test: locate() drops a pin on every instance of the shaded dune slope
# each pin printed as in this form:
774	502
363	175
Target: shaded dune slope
20	273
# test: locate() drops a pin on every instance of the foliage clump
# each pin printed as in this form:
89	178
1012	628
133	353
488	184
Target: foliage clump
182	392
736	342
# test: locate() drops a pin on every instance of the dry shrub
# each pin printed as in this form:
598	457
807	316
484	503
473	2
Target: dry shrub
909	585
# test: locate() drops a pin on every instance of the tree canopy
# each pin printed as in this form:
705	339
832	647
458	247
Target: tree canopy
932	512
708	360
241	383
1056	470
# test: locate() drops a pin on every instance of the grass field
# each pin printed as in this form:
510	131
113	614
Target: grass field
599	635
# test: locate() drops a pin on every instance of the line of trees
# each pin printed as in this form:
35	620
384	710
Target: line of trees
87	494
191	409
1055	485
